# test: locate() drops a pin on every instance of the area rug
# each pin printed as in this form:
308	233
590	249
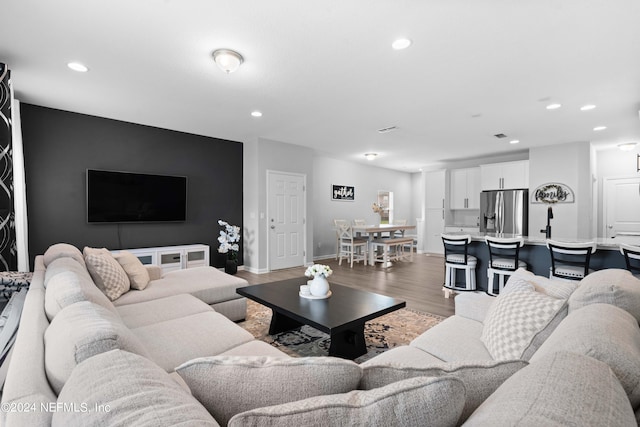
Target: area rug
381	334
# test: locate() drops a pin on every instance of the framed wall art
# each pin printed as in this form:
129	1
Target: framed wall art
343	193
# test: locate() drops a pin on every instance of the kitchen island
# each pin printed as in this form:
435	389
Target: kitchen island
536	254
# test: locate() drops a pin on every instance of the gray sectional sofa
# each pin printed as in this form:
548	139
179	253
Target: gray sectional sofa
541	353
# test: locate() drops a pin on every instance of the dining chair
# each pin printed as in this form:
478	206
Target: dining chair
504	260
631	258
456	256
337	223
570	261
351	247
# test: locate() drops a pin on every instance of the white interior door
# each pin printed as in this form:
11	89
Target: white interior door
622	207
286	220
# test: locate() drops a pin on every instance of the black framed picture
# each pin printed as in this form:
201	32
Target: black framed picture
343	193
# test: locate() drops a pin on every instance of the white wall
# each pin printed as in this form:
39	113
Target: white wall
569	164
250	206
367	180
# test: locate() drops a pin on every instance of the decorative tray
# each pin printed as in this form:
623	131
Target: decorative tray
309	296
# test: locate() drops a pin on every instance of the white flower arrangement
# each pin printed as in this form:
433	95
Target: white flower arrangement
229	238
316	270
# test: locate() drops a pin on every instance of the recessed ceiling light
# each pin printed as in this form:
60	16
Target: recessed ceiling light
401	44
553	106
587	107
76	66
627	146
514	141
599	128
371	156
256	113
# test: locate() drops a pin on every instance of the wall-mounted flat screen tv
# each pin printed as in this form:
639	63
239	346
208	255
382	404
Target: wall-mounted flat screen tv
135	197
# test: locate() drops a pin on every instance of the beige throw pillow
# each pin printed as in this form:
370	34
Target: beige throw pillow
136	271
519	320
416	402
228	385
107	274
561	289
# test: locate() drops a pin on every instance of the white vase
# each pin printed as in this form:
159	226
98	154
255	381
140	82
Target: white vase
319	286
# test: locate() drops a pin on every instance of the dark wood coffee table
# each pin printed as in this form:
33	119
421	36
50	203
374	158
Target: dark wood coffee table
342	315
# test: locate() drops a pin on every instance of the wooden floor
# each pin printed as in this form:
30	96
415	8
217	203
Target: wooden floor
418	282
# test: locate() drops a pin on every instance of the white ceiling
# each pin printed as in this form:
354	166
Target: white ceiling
324	75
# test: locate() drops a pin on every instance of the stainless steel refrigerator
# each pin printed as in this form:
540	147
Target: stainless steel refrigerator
504	211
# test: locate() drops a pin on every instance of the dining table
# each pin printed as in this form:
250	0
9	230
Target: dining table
375	231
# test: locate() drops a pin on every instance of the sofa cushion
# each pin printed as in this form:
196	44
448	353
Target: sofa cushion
264	381
137	273
606	333
62	250
454	339
174	342
520	320
107	274
68	288
65	265
560	389
80	331
255	348
480	378
136	391
206	283
611	286
415	402
560	289
26	383
160	310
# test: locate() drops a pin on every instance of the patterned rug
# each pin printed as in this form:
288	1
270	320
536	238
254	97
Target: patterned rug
381	334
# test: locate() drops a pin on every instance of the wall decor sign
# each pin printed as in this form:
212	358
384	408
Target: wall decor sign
552	193
343	192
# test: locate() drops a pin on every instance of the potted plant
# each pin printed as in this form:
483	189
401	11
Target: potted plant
228	239
319	286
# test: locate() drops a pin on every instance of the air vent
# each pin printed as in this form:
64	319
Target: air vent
387	129
500	135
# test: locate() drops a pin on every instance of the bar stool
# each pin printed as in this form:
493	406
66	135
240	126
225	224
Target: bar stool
631	258
503	260
457	258
570	261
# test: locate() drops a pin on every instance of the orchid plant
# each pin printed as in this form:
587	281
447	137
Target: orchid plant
316	270
229	238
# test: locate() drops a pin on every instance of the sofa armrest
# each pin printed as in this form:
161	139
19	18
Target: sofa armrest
473	305
155	272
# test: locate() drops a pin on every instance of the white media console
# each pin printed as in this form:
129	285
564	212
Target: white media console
170	258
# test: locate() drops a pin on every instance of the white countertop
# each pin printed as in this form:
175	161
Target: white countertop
601	242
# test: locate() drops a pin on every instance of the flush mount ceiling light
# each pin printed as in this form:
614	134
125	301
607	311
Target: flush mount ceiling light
76	66
371	156
256	113
587	107
599	128
228	60
627	146
553	106
401	44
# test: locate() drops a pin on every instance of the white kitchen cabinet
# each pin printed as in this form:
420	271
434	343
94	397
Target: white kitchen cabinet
170	258
465	190
505	176
435	194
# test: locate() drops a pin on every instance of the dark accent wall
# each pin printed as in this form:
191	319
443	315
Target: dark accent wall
59	147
